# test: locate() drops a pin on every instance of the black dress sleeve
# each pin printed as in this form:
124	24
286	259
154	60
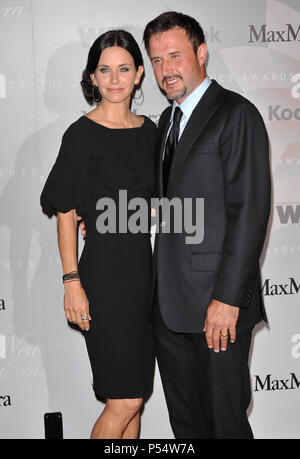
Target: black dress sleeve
67	184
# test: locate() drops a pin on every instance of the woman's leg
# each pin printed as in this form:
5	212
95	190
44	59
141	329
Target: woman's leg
116	417
133	428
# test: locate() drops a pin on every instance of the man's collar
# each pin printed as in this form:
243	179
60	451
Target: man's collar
188	105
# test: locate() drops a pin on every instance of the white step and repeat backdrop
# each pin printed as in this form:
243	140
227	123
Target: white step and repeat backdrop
254	49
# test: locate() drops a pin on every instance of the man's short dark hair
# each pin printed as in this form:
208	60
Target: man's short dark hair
170	20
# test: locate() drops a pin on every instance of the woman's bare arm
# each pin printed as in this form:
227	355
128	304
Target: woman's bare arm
75	301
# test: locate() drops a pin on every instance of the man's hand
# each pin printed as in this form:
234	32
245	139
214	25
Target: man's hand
220	319
82	226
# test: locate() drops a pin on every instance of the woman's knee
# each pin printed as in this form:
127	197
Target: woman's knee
125	407
134	404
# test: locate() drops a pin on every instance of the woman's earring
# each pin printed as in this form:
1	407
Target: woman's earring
96	93
137	100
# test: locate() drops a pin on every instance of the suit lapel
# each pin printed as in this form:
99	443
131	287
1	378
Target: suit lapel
200	117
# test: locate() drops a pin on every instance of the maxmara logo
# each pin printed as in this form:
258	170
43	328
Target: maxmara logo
268	383
290	288
5	400
264	34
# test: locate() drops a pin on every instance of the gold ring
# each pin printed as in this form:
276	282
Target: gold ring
224	334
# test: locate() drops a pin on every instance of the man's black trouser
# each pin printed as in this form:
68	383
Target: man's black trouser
207	393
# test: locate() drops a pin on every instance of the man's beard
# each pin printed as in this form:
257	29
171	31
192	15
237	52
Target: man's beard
178	95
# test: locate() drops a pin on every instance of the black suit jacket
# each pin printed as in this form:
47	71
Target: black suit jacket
223	157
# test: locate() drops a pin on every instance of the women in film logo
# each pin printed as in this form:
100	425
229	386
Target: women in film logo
87	35
2	337
7	11
278	112
2	346
288	213
2	87
18	356
296	346
5	400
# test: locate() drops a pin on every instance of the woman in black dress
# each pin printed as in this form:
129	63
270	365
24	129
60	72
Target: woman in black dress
107	293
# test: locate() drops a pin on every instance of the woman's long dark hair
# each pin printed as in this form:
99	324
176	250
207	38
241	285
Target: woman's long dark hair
120	38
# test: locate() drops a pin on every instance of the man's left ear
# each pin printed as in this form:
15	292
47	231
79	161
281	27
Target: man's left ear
202	53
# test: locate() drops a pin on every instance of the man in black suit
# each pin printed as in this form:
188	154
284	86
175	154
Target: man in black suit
207	296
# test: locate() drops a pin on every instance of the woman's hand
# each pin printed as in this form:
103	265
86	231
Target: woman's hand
82	226
76	304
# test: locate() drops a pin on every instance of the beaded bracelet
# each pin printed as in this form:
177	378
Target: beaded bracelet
73	275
